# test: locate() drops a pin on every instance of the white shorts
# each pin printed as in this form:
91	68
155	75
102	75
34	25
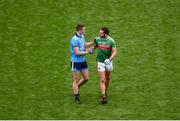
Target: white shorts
104	67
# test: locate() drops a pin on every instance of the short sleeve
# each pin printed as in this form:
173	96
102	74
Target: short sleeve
113	44
96	41
74	42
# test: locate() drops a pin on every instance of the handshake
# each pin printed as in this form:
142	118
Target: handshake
90	51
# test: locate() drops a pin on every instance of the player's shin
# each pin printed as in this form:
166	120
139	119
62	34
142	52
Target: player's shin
82	82
76	92
75	87
107	85
102	87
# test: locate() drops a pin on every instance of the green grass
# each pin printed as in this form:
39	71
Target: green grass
35	78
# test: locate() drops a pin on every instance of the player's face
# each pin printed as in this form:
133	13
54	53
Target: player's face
82	31
102	35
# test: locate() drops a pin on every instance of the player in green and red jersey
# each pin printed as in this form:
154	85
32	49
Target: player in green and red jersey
106	51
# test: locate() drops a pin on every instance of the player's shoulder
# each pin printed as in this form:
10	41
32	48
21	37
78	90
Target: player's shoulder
110	38
74	38
83	36
97	37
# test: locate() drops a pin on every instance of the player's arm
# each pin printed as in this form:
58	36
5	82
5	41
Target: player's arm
74	43
114	52
87	51
92	45
87	44
77	52
95	45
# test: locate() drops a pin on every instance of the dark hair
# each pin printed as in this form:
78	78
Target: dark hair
106	30
79	26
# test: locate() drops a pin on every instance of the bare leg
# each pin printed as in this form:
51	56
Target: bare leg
76	76
85	78
102	79
107	79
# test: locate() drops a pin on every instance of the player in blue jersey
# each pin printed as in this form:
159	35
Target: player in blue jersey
78	62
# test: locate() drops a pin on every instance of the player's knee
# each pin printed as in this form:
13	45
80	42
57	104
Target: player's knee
75	81
86	78
102	81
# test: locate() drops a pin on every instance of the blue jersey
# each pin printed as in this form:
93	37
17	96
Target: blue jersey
77	41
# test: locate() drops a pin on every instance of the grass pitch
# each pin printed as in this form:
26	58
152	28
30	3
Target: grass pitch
35	77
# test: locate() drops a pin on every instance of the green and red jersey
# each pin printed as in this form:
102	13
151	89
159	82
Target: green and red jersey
104	49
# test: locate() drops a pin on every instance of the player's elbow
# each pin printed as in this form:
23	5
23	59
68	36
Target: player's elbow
77	53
